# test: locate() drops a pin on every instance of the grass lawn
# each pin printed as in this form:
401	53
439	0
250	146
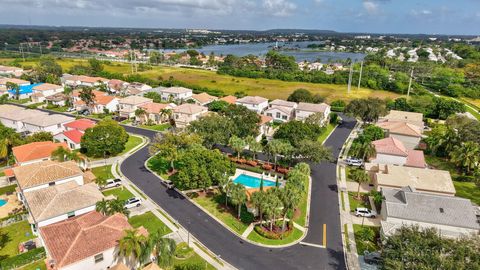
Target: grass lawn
160	127
467	190
191	259
103	172
328	130
295	235
442	164
160	166
345	233
354	203
58	109
131	143
214	204
366	240
11	236
120	192
150	222
2	174
35	266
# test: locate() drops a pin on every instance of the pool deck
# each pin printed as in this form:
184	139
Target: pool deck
12	204
266	177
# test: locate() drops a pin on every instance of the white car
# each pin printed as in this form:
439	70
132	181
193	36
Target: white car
354	162
132	202
365	212
112	183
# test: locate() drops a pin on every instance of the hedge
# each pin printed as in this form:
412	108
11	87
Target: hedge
22	259
271	235
8	189
337	109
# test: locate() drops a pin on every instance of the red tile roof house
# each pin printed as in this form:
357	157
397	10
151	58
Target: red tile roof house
89	241
409	134
155	112
392	151
102	101
74	132
35	152
40	92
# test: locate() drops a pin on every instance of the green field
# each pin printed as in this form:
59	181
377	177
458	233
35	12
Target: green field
150	222
132	142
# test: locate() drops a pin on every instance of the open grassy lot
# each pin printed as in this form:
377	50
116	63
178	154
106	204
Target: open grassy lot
121	193
150	222
11	236
295	235
103	172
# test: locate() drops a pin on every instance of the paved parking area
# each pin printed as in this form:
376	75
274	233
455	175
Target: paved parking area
366	221
138	210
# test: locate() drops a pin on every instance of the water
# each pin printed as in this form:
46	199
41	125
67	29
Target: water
252	182
25	89
260	49
2	202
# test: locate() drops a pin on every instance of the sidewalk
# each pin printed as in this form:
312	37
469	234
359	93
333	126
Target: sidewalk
179	234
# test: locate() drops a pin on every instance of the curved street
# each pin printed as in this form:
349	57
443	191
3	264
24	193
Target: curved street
324	209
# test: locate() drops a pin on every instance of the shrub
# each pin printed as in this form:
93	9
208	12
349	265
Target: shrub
273	235
464	178
252	163
22	259
333	118
190	266
267	167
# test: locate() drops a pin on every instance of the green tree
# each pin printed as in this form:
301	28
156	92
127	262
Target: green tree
313	151
238	197
273	206
132	245
107	138
141	114
169	144
296	131
290	198
467	155
244	120
214	129
162	248
359	176
102	207
217	105
96	66
87	96
369	110
237	144
253	145
42	136
277	147
15	88
63	154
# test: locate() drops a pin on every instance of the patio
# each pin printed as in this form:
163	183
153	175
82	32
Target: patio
12	204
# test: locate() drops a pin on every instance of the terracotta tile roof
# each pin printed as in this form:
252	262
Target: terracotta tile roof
104	100
152	266
74	135
60	199
76	93
401	128
87	79
189	109
390	146
80	124
415	158
82	237
8	172
46	86
35	150
311	107
119	266
204	98
252	100
229	99
155	108
44	172
265	119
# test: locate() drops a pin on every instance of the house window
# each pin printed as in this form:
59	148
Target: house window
51	184
70	214
278	115
284	117
59	126
269	114
98	258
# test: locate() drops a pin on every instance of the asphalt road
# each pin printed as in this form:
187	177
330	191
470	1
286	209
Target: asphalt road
243	255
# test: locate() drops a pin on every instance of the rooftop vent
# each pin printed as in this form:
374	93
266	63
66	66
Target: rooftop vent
441	210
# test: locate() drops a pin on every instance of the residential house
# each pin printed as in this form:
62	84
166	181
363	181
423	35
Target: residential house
117	86
265	127
409	134
203	98
304	110
392	151
6	109
46	173
14	118
156	113
101	103
73	132
52	123
60	202
423	180
253	103
453	217
59	99
81	80
19	82
35	152
229	99
281	110
89	241
186	113
11	71
177	94
41	91
128	105
406	117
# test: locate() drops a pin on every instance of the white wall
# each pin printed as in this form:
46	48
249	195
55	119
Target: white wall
17	125
182	96
109	259
183	119
389	159
259	108
71	144
54	129
302	115
278	115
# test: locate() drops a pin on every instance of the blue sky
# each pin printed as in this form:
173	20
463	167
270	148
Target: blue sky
378	16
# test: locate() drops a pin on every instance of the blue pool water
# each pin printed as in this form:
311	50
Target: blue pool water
25	89
3	202
252	182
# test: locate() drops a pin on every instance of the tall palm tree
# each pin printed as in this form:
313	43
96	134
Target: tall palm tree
368	150
102	207
117	206
277	147
290	198
258	200
238	197
131	246
226	184
87	96
140	113
162	248
467	155
15	88
359	176
238	144
273	206
165	112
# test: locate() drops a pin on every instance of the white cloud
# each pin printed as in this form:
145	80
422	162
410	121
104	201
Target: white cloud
420	13
279	7
370	6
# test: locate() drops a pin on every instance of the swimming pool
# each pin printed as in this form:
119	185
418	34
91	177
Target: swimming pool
2	202
25	89
252	181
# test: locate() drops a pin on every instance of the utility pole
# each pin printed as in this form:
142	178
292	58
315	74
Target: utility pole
350	78
360	77
410	83
21	50
131	58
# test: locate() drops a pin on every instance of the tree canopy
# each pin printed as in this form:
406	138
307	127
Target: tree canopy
107	138
369	109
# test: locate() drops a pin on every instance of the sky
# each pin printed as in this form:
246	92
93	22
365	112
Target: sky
372	16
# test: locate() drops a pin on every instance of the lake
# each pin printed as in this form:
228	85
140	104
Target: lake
260	49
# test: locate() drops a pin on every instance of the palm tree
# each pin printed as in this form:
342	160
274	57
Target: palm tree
258	200
87	96
226	184
238	197
132	245
140	114
165	112
359	176
238	144
273	206
277	147
368	150
117	206
253	145
3	99
290	198
14	87
162	248
467	155
102	207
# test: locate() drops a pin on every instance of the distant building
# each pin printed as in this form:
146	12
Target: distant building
203	98
304	110
11	71
156	113
128	105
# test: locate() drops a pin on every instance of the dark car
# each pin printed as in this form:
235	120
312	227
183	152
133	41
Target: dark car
372	257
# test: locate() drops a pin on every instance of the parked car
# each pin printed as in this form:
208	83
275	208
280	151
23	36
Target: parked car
70	109
372	257
354	162
132	202
365	212
113	183
169	184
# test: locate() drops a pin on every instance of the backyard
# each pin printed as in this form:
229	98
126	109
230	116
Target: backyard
11	236
150	222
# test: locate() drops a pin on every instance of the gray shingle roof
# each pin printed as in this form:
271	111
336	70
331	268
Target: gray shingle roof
430	208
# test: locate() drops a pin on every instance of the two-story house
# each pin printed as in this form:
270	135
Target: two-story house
177	94
304	110
253	103
41	91
186	113
281	110
128	105
74	131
